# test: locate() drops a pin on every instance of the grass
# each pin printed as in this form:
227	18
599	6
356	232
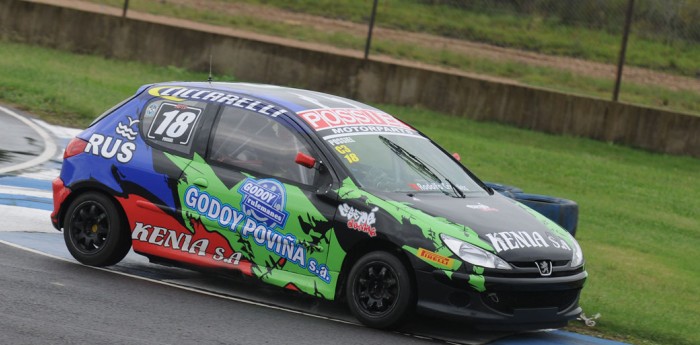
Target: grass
553	40
639	217
639	212
533	33
549	78
72	89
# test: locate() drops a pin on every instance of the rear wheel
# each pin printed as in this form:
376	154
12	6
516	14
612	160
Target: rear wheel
379	291
94	232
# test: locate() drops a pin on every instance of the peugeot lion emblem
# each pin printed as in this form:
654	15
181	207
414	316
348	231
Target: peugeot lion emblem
545	267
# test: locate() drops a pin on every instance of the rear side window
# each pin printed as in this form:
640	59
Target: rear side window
110	110
259	144
171	125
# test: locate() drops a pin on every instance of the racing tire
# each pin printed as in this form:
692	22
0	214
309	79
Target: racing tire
94	231
379	291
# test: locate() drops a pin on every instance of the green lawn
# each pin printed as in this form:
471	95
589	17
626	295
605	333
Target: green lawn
639	221
639	212
72	89
522	33
536	32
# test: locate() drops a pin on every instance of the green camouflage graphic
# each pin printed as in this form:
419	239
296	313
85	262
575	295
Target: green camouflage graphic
431	227
306	240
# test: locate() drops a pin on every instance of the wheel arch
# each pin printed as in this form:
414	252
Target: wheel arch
82	188
367	246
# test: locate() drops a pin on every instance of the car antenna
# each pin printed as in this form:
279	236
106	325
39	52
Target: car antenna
209	79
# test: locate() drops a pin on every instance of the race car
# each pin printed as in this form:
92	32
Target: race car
313	193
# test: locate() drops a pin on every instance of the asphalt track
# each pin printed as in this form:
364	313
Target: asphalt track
47	297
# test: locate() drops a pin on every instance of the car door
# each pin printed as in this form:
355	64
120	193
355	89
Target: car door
248	189
165	134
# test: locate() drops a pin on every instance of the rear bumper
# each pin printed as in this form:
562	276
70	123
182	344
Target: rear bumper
60	193
507	303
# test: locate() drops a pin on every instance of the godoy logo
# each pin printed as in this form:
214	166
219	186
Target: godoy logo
265	201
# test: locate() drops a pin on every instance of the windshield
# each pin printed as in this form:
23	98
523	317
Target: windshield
401	162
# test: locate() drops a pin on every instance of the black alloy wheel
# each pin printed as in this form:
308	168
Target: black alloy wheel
379	289
93	231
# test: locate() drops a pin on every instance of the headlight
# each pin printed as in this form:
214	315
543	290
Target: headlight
474	255
577	257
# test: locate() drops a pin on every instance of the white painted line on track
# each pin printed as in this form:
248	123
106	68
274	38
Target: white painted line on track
59	131
26	192
49	145
25	219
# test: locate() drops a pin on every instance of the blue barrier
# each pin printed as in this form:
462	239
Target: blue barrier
561	211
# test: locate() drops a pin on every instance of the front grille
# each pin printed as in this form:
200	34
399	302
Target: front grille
532	264
533	272
507	301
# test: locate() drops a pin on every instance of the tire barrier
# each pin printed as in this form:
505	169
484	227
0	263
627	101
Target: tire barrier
561	211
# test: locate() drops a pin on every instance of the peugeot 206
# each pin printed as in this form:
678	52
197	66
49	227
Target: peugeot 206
314	193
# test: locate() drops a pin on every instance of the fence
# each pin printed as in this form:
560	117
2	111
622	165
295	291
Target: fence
572	45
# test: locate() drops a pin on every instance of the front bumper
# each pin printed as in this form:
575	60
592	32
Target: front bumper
513	303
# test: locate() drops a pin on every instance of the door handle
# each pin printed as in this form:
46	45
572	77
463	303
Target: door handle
309	245
202	182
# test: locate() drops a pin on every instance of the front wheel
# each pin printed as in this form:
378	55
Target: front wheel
379	289
94	231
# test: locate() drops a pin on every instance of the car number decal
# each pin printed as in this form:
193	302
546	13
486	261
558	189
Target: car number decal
174	123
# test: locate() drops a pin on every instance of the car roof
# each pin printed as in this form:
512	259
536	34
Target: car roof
297	100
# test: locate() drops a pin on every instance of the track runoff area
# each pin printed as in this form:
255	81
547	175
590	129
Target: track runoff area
32	152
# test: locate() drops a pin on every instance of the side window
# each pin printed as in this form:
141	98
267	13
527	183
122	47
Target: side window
171	125
258	143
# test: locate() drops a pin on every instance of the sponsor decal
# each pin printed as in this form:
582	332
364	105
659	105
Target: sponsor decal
262	211
482	207
265	201
179	93
169	238
319	270
435	257
359	220
284	245
435	186
509	240
341	140
212	208
151	110
126	130
320	119
109	147
183	242
358	130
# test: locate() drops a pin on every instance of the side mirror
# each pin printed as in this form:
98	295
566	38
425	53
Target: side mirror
305	160
457	157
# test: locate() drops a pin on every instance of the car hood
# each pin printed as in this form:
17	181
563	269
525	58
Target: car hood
515	232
